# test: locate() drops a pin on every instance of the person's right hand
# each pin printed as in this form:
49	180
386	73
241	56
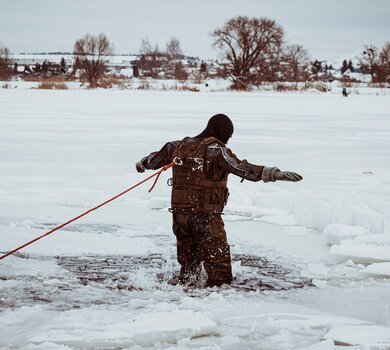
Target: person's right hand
140	166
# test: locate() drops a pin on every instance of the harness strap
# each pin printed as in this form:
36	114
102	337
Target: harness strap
201	183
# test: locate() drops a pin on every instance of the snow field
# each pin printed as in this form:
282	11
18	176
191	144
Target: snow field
65	151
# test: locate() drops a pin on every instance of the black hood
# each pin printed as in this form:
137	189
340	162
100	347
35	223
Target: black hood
219	126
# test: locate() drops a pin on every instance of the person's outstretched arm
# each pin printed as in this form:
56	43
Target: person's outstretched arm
247	171
156	160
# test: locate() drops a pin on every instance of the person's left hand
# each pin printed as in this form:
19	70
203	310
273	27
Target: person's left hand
287	176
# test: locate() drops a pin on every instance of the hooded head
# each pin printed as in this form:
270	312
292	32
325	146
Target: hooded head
220	126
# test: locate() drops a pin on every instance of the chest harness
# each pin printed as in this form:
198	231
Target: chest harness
194	189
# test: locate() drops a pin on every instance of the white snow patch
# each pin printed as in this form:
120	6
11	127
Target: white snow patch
252	211
318	269
380	269
104	328
16	326
70	243
296	231
371	335
319	283
322	345
15	266
287	330
335	233
364	249
79	198
283	220
159	203
47	346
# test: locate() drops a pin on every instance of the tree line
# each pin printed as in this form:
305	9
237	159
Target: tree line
252	51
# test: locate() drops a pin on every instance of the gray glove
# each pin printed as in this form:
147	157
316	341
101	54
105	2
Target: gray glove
287	176
274	174
140	165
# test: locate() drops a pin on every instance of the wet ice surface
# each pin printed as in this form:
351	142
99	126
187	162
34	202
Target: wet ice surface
113	274
310	259
67	277
114	301
47	285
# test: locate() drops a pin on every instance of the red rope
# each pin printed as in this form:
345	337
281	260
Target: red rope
157	174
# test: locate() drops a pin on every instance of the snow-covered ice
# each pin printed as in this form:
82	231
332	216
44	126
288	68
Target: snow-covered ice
364	249
335	233
381	269
100	328
315	254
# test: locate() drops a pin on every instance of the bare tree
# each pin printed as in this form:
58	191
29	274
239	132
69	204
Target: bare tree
251	46
173	49
6	62
180	73
146	47
369	61
296	61
151	59
317	70
92	52
384	64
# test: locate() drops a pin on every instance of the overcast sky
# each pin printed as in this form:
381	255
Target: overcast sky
328	29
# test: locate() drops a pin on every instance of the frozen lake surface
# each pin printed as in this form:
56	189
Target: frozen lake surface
310	259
